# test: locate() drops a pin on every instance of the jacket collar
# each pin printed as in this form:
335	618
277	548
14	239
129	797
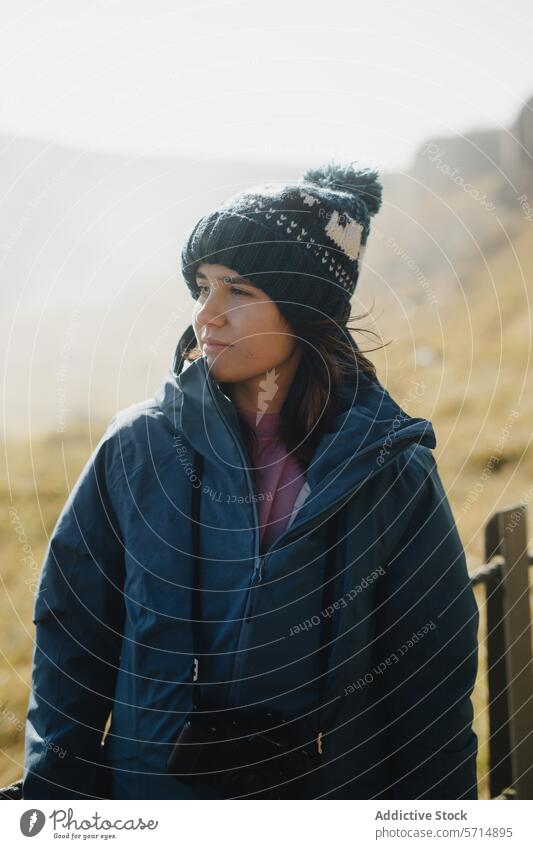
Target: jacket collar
369	430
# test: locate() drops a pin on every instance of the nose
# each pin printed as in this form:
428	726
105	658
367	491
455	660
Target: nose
211	311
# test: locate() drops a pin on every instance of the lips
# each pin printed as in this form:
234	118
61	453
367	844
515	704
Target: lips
213	348
214	343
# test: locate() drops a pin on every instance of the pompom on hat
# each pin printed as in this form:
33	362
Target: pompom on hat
302	243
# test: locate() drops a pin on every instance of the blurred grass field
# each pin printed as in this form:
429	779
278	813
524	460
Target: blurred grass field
474	362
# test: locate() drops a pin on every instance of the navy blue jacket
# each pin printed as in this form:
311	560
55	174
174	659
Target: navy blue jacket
113	605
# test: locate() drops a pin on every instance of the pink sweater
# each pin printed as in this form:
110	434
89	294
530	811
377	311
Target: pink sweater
280	478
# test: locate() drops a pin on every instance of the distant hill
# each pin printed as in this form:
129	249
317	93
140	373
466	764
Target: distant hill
89	255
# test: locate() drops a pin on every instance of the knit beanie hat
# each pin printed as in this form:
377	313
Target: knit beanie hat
302	243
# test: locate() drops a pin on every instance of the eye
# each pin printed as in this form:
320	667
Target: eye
202	287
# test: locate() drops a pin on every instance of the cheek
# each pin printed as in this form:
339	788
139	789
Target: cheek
264	329
271	345
267	349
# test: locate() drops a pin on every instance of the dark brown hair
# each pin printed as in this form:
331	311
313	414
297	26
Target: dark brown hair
329	355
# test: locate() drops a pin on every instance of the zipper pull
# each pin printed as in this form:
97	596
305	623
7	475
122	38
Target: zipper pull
260	569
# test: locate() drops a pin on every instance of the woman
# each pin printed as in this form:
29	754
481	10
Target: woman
268	535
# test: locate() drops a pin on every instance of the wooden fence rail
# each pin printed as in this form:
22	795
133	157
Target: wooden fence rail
505	577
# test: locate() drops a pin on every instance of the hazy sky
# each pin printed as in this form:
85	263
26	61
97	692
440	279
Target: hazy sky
285	78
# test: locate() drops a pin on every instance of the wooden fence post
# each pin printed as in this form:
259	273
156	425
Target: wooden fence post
510	672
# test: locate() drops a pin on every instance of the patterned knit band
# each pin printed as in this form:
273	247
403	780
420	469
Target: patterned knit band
301	243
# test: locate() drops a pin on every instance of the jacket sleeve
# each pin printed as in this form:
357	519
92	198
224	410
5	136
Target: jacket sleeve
78	614
426	647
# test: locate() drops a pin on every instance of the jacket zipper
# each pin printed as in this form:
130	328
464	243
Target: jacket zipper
257	570
257	573
257	577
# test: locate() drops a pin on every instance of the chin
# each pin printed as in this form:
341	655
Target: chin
221	372
226	373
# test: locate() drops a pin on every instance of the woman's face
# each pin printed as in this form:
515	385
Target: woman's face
255	336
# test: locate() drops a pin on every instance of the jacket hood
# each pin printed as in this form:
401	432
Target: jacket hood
369	430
